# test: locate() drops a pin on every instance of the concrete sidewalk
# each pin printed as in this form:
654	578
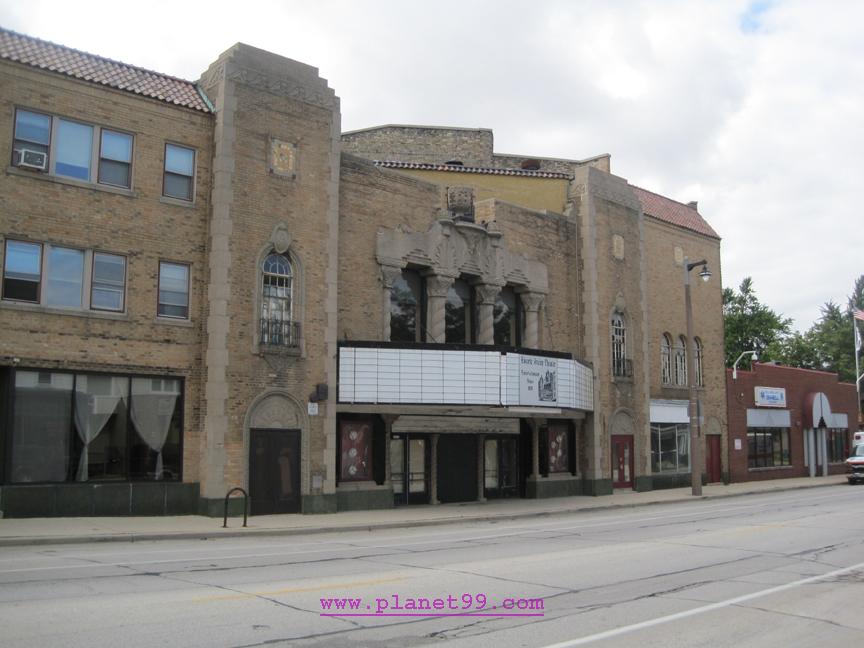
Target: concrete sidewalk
28	531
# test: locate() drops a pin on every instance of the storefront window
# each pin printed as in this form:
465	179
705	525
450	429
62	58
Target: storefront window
768	447
94	427
670	447
838	445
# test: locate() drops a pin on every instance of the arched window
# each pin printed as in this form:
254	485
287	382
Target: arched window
697	350
681	362
666	359
277	292
507	318
620	364
407	310
459	314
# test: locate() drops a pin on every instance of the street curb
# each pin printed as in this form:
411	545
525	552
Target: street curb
17	541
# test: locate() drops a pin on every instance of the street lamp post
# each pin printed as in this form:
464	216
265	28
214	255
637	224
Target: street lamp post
695	428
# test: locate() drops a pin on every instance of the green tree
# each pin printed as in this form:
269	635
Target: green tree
832	340
750	325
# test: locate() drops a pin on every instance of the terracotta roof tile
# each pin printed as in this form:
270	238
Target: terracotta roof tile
674	212
458	168
89	67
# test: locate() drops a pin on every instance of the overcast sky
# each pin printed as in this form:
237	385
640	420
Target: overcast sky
754	109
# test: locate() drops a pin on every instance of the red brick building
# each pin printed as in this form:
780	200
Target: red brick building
787	422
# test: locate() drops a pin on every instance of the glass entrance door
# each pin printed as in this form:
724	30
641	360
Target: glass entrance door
409	469
501	467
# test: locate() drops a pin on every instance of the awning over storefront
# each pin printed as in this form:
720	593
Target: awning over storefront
669	411
454	425
773	418
818	408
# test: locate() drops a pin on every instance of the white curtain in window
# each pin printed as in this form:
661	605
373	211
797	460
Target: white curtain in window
96	399
152	410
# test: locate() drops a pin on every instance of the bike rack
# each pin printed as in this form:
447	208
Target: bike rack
245	506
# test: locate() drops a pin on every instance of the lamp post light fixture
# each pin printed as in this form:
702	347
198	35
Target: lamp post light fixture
695	428
755	355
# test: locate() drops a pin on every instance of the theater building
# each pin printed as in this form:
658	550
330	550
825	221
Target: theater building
788	422
208	285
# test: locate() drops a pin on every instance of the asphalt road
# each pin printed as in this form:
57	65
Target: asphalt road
781	569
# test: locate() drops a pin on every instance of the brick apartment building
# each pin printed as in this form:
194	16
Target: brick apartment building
207	285
788	422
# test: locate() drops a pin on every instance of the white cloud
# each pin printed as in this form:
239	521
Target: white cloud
751	108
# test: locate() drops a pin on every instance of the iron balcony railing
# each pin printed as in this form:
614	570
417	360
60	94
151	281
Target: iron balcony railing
278	332
622	368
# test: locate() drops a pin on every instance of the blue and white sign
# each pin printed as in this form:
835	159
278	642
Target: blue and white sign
770	396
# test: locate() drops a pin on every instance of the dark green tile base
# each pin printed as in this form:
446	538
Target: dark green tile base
364	500
106	499
643	483
545	488
319	504
597	487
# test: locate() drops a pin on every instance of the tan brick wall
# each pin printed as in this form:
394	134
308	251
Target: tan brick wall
372	199
141	226
666	314
473	147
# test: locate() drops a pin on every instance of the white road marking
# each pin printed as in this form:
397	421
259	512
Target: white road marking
617	632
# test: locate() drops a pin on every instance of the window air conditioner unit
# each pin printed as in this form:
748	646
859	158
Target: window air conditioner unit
30	159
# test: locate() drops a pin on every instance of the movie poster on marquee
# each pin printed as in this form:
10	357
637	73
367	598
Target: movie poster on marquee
538	381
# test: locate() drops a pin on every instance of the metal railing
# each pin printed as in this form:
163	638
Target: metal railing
622	368
278	332
245	506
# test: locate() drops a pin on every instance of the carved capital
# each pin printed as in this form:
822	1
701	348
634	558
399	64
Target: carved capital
532	301
438	285
390	274
487	293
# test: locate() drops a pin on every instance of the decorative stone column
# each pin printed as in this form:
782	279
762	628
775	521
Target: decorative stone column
389	419
437	287
389	274
433	470
486	296
481	467
531	303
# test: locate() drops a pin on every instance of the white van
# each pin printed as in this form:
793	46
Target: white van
858	438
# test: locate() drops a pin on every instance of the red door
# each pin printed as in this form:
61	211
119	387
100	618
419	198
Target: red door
713	464
622	461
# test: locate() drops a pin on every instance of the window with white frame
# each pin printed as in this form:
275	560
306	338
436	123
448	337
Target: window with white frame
620	364
681	362
63	277
278	327
666	359
179	177
173	290
670	447
72	149
697	358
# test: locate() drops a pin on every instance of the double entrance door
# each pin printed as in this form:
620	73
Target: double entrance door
459	475
274	471
409	468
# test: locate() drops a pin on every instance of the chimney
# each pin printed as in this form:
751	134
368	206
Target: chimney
693	205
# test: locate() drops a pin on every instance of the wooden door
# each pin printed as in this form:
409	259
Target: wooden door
274	471
622	461
713	462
